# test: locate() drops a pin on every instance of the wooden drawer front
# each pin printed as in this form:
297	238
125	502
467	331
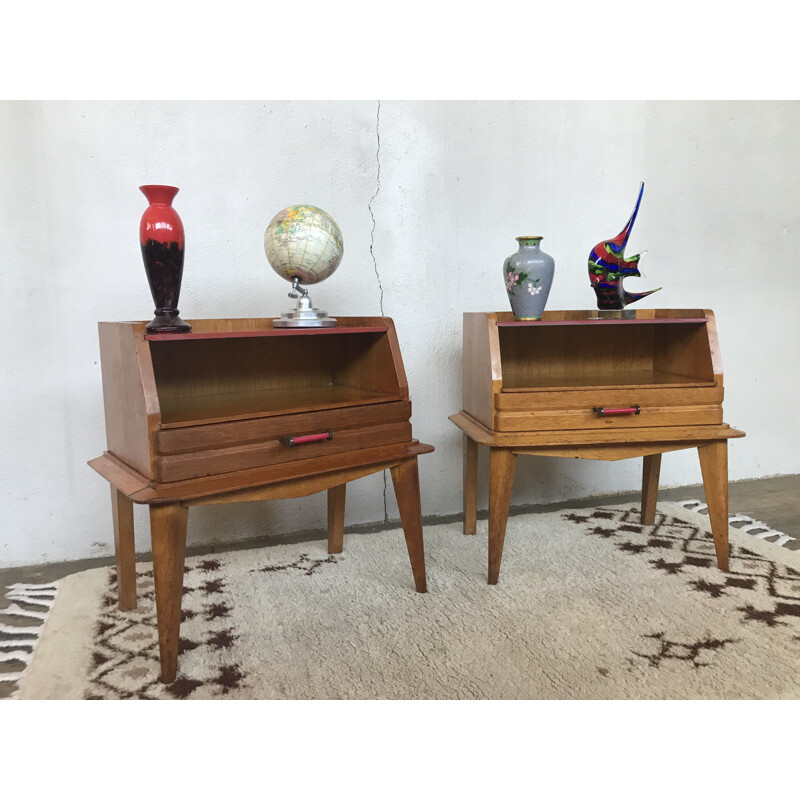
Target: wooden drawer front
588	419
198	464
589	397
251	431
575	410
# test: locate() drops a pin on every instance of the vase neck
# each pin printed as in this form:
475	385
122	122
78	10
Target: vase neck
159	195
529	241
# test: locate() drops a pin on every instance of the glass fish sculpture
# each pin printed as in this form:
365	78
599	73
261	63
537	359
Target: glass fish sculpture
608	267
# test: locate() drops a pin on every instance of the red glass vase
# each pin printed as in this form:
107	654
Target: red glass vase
161	237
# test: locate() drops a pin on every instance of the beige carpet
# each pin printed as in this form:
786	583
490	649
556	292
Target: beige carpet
590	605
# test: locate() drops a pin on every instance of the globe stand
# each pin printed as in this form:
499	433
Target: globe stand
304	314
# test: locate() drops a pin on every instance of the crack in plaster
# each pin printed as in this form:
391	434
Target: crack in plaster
374	260
371	213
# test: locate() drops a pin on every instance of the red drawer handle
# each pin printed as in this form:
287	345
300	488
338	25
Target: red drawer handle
616	412
291	441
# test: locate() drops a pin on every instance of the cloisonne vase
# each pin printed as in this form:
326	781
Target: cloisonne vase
528	275
161	237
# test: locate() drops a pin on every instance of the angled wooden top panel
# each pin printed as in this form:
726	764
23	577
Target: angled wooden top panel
256	325
583	316
543	323
481	368
130	398
177	337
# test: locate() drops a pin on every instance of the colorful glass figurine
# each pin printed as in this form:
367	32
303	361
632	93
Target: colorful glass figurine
608	267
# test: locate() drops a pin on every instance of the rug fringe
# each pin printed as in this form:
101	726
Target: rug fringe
15	631
16	655
33	594
35	588
42	595
15	610
753	524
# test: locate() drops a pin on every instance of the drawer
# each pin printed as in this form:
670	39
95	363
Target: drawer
189	439
287	447
607	408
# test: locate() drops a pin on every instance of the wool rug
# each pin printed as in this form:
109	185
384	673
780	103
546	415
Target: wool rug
590	605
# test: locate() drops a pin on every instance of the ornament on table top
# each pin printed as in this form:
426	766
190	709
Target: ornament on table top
608	267
528	275
304	245
161	237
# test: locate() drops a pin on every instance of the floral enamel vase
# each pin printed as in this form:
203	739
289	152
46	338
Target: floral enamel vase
161	238
528	275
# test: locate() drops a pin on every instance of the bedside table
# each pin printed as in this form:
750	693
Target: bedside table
237	411
576	387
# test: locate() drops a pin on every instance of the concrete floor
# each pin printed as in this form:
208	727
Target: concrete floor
773	501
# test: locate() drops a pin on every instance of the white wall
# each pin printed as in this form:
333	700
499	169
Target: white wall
720	219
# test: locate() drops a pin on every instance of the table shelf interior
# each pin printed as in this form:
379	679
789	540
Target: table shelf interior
211	379
656	355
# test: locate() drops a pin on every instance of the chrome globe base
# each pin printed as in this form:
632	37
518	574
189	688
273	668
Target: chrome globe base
304	315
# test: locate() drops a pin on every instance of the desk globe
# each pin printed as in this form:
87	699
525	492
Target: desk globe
304	245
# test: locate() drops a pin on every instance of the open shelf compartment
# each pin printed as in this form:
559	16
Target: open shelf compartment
647	355
204	379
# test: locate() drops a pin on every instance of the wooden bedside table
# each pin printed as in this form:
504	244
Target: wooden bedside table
606	389
238	410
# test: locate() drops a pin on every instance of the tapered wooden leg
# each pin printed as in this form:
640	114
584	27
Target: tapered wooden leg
714	465
650	473
124	548
168	532
470	485
405	477
336	498
502	464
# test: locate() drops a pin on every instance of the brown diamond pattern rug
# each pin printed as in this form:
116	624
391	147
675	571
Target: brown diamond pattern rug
590	605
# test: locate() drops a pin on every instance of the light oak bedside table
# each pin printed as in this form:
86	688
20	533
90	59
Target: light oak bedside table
237	411
572	386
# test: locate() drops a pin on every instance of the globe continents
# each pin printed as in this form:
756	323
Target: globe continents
303	242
